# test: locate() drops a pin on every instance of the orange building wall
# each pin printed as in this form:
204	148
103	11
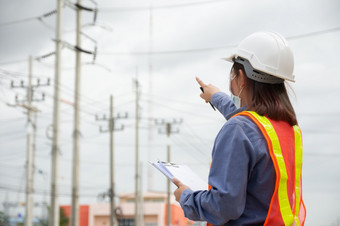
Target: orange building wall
177	216
83	214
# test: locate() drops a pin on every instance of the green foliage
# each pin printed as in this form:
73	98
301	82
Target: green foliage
63	219
43	222
4	219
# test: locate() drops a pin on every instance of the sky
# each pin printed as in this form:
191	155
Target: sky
164	44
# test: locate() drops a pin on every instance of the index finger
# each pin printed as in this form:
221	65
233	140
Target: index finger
176	182
200	82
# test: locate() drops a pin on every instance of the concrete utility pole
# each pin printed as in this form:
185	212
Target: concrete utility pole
168	131
29	163
112	173
150	104
141	198
31	135
76	130
34	134
137	155
54	209
112	128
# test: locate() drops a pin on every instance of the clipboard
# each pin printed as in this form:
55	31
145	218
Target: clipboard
182	173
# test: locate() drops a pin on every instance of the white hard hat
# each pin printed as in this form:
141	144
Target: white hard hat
266	56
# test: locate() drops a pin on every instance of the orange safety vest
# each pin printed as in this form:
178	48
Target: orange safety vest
286	206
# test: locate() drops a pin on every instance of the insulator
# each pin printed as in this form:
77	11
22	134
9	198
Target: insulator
50	13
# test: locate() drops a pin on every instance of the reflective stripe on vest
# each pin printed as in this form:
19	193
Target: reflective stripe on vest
288	216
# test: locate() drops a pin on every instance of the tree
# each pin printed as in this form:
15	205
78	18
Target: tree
63	219
4	219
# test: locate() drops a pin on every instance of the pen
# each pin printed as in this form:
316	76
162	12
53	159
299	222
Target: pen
209	101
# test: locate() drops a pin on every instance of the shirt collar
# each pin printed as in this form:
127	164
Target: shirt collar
243	108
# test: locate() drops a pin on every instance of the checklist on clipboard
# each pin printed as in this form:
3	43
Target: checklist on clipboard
182	173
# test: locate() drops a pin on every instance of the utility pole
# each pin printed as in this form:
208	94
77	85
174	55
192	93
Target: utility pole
29	166
168	132
31	133
137	153
76	131
34	134
150	104
112	173
141	198
54	209
112	128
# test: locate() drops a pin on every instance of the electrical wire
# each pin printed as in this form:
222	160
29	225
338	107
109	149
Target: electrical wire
13	62
48	14
18	21
315	33
142	8
181	101
41	191
198	138
191	113
63	88
179	143
166	52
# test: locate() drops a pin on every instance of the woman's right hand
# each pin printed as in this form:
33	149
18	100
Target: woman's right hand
208	90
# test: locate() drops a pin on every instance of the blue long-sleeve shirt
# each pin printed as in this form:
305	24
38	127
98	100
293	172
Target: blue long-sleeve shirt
242	175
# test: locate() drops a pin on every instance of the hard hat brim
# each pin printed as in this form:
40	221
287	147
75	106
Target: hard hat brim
230	59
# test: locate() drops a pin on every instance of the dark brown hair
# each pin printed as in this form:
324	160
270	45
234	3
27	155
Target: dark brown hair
270	100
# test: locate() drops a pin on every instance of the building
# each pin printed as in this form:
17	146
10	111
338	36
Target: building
154	212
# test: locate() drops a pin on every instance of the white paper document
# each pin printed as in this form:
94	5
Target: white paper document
182	173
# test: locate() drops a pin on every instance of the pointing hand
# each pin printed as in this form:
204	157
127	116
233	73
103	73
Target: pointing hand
208	90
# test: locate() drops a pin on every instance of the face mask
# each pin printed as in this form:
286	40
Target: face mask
236	99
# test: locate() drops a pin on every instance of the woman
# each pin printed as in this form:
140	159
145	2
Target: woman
255	174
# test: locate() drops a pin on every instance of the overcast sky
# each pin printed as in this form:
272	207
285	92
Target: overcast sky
165	47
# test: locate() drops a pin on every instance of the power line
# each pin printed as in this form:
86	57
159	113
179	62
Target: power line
142	8
335	29
181	101
166	52
164	105
13	62
50	13
4	72
18	21
39	191
326	155
121	9
66	89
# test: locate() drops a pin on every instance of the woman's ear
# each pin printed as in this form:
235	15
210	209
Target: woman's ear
241	79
